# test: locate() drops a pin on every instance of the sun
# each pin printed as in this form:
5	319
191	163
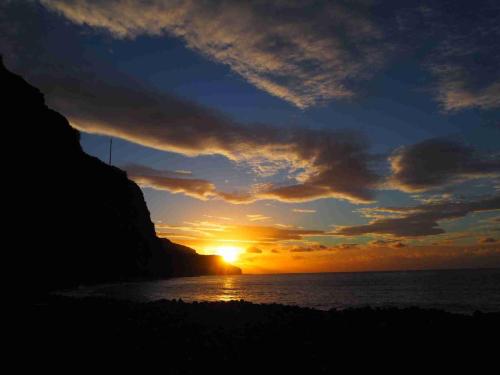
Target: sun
229	253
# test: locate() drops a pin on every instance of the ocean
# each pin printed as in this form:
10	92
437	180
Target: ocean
461	291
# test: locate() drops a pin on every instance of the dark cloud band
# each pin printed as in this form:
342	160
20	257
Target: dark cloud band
421	220
439	162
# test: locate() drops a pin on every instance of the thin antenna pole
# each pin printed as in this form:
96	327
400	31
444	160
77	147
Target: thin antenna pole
110	149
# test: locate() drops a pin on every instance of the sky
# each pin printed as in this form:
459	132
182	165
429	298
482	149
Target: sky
298	136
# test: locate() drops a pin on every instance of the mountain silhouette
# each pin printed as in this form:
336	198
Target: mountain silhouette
79	220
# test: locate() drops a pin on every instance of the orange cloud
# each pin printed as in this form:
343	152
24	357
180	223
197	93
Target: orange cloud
488	240
243	233
257	217
358	257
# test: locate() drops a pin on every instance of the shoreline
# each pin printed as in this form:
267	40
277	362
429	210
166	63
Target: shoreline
160	301
336	291
68	294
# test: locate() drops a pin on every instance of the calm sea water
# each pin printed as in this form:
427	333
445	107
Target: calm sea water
461	291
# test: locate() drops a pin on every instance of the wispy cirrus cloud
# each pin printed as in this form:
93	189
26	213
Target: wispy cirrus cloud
466	59
455	92
303	210
275	46
257	217
310	52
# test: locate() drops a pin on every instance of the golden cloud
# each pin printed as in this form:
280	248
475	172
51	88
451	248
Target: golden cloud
299	53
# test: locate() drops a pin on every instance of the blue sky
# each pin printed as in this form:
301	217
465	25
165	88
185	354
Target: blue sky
410	92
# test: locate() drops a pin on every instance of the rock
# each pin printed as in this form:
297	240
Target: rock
76	219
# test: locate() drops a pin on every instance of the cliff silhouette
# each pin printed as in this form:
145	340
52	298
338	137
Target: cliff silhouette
83	221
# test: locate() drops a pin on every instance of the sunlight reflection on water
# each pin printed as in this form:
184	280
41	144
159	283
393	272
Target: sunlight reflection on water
458	291
228	293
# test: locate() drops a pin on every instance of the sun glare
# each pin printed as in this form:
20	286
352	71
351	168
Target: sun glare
229	253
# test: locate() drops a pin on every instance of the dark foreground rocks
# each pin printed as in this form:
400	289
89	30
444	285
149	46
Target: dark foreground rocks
241	337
